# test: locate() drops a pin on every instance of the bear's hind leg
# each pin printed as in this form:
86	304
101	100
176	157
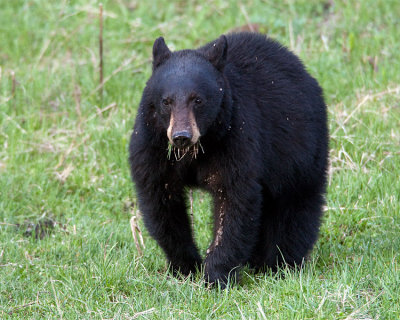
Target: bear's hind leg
288	232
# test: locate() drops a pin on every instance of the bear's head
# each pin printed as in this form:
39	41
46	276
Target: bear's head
187	89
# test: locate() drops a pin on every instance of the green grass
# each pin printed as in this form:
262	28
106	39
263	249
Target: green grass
63	159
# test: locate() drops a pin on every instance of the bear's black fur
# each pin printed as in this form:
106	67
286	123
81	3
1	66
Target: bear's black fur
246	123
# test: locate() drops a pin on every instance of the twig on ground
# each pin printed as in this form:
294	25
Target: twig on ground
101	111
122	67
62	177
353	315
23	306
77	98
8	224
101	50
13	89
135	229
141	313
366	98
72	146
246	17
260	309
56	299
14	84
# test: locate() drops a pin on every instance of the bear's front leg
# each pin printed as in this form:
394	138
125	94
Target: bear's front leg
237	213
164	214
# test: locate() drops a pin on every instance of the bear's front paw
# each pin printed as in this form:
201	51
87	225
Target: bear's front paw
185	268
219	275
216	279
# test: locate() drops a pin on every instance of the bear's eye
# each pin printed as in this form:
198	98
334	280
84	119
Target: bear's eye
165	102
198	101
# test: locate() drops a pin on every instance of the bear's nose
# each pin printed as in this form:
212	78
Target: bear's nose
182	139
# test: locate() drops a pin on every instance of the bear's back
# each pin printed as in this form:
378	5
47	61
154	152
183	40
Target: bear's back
254	53
260	67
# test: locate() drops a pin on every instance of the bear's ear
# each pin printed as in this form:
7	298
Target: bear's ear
216	53
160	52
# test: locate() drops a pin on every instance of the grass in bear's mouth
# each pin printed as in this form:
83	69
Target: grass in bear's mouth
179	154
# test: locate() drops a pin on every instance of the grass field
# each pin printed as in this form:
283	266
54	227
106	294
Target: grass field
66	199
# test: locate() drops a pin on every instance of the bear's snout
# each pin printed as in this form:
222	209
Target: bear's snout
182	139
183	131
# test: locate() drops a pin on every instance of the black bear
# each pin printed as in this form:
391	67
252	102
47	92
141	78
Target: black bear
242	119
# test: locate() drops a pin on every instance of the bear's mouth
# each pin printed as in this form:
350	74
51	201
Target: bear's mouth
189	151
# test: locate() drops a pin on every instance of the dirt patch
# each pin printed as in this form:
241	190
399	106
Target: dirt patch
40	229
